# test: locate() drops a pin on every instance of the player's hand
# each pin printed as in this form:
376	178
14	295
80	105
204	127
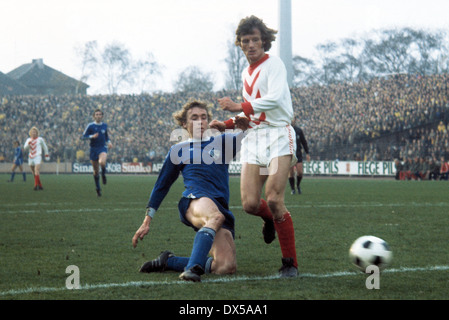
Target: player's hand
94	136
217	125
142	231
227	104
241	123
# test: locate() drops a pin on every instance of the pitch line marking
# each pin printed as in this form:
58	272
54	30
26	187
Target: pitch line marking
217	280
348	205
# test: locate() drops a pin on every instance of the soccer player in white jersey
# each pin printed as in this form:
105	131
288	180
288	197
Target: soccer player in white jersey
268	150
36	147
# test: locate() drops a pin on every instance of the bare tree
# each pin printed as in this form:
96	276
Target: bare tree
304	71
192	79
236	62
89	60
146	70
117	65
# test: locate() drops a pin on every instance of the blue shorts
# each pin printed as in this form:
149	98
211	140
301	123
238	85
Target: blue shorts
18	162
95	153
228	224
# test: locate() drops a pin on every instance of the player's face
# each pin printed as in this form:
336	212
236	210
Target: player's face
98	116
197	122
33	134
252	46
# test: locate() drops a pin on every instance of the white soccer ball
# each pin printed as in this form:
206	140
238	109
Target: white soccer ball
370	250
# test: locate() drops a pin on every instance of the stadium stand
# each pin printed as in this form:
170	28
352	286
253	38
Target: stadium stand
390	118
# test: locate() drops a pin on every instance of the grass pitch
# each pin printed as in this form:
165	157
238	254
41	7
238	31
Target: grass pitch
44	232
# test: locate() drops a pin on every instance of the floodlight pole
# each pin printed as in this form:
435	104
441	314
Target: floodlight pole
285	37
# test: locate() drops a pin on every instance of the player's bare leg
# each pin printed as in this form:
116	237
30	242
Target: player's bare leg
205	216
251	185
96	173
223	253
102	158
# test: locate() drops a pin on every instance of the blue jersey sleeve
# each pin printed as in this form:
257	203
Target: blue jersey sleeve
87	133
168	175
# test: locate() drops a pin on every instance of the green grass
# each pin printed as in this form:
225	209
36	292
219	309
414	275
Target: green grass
43	232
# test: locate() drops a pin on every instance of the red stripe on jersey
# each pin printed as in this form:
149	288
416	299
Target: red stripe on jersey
253	67
248	88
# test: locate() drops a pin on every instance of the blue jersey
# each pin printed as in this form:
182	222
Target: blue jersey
18	155
204	166
102	129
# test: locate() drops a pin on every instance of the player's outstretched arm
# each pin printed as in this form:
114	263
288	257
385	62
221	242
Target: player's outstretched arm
142	231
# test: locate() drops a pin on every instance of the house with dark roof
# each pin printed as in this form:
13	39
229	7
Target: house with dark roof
42	79
9	86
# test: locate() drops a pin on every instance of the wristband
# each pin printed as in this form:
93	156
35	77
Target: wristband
150	212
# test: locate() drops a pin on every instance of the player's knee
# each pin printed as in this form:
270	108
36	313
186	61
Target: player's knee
215	220
225	266
251	207
275	202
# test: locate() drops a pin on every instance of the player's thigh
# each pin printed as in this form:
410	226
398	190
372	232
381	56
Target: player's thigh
102	157
203	212
37	168
251	184
224	253
276	182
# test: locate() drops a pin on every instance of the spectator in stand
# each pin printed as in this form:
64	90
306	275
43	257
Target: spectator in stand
444	169
424	168
399	170
434	168
408	164
415	168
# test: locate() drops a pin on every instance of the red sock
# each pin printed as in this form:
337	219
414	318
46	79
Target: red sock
264	211
39	181
36	181
286	235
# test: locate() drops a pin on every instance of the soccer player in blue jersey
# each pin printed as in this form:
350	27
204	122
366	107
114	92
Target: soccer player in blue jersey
203	162
17	163
97	132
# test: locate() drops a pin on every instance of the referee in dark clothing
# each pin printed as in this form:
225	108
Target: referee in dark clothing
301	143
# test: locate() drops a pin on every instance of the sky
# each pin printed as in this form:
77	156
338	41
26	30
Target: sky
184	33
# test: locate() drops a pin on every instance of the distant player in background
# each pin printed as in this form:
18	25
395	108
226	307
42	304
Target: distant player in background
97	132
17	162
204	205
301	142
36	147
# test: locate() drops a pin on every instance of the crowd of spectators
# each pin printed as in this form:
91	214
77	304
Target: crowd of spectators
396	117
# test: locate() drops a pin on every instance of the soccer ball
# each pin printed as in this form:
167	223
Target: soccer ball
370	250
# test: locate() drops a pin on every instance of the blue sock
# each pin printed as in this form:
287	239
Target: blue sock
208	267
97	181
201	246
12	176
177	263
24	176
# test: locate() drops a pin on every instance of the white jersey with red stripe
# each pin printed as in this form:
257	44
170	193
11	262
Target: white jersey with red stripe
266	93
35	147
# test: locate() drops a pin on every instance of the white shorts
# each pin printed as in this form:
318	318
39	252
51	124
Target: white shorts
34	161
261	146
